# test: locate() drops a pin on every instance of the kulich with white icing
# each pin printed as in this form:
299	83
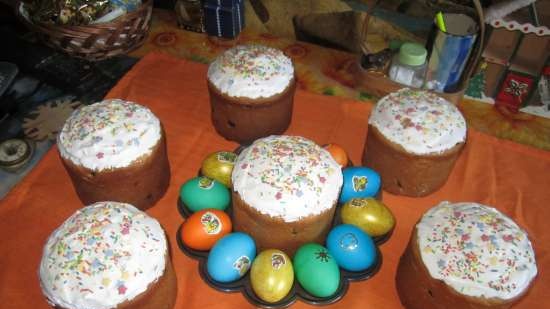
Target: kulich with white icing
476	250
419	121
251	71
288	177
104	254
109	134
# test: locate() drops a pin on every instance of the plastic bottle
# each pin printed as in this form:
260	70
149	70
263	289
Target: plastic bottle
408	67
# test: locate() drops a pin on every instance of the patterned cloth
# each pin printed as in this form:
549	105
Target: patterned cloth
330	72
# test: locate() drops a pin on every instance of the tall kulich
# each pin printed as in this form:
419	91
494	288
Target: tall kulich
115	150
285	191
465	255
251	90
413	141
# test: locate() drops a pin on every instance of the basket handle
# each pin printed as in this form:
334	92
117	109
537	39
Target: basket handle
363	34
478	49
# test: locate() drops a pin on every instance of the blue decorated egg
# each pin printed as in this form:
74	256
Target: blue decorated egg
204	193
231	257
359	182
352	248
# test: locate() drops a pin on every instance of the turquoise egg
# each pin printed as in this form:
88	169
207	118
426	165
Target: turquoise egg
359	182
202	192
352	248
231	257
316	270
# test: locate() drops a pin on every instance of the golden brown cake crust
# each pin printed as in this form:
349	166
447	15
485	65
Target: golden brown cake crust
404	173
418	290
275	233
141	184
244	120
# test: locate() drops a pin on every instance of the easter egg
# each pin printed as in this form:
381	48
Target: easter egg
272	275
231	257
338	154
219	166
359	182
203	228
369	214
316	270
202	193
352	248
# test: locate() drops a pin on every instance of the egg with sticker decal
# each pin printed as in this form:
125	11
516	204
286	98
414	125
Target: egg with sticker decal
219	166
359	182
203	228
353	249
316	270
369	214
272	275
203	193
231	257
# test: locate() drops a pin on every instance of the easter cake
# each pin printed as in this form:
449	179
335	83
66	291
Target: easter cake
285	189
115	150
413	141
465	255
251	91
108	255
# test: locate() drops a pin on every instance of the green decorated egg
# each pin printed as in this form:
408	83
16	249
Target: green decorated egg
219	166
369	214
202	193
316	270
272	275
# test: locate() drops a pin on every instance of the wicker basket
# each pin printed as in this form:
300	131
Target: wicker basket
95	42
378	84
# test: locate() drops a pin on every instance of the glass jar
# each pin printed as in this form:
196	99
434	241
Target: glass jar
408	67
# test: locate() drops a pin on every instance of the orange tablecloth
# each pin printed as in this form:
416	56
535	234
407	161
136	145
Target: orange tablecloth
509	176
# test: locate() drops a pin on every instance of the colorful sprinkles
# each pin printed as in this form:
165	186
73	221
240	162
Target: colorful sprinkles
108	134
420	121
287	176
101	256
476	250
251	71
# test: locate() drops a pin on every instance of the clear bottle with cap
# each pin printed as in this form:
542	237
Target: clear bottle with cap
408	67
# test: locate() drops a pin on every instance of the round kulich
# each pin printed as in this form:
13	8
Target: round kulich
108	255
115	150
244	120
251	90
404	173
269	232
418	289
285	191
413	141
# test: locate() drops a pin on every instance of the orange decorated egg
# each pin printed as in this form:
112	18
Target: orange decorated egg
202	229
338	154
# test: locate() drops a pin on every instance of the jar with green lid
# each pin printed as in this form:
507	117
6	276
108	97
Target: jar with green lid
408	67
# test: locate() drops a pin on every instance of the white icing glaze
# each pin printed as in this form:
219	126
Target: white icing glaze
288	177
420	121
101	256
476	250
251	71
108	134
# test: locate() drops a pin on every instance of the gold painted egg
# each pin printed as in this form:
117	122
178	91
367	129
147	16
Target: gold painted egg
219	166
272	275
369	214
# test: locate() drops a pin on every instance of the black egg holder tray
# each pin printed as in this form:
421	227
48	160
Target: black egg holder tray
244	286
